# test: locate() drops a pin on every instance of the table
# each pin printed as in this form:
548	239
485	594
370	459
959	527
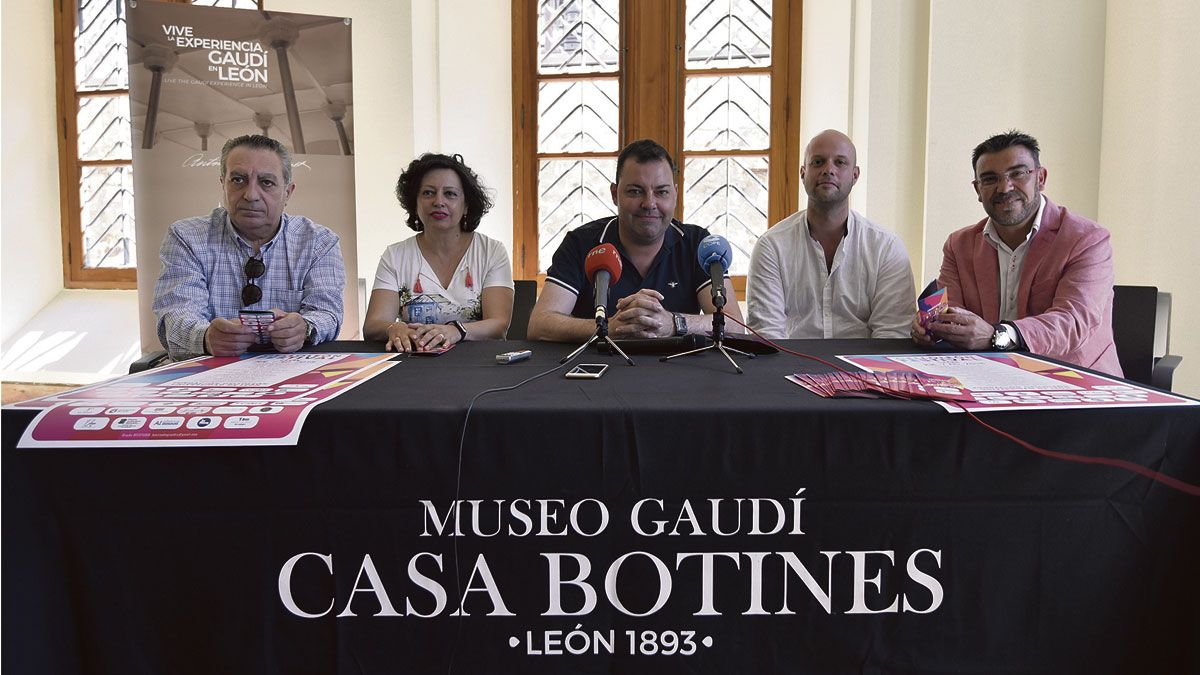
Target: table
669	517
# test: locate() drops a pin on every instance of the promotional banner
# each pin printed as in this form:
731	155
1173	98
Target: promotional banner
1016	381
252	399
199	76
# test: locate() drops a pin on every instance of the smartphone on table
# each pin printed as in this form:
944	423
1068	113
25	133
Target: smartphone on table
587	371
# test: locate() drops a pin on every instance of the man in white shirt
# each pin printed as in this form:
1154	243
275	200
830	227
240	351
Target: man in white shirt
828	272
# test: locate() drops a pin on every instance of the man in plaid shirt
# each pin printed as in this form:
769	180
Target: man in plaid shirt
249	255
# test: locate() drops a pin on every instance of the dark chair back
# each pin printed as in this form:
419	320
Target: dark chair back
152	360
1135	309
524	297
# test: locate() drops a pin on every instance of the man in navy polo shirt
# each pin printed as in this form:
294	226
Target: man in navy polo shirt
662	289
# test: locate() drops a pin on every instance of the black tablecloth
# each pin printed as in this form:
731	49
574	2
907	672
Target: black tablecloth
909	540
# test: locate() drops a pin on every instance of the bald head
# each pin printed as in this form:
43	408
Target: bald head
832	139
830	169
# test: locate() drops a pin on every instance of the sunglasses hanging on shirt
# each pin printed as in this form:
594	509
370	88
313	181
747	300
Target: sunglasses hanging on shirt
254	269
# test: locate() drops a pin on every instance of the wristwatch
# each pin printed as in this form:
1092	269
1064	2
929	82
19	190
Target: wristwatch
1004	339
310	335
680	324
462	331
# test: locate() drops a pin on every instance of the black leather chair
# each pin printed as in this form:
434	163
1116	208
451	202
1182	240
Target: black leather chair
1142	331
524	297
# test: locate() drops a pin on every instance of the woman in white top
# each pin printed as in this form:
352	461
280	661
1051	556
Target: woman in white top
448	283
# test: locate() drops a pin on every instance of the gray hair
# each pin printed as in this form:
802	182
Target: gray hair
259	142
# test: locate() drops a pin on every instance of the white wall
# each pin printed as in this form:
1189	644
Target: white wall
30	234
826	68
889	116
1149	183
865	72
475	70
462	97
1036	66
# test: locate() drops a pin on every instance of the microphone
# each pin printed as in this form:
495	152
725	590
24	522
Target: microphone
715	256
603	268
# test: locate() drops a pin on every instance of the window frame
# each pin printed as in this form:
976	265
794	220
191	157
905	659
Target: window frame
651	110
70	166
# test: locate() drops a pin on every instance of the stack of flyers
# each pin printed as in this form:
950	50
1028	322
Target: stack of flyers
904	385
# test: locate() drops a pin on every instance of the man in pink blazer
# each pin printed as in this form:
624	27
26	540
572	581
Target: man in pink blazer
1032	275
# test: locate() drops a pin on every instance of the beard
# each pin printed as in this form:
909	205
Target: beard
1010	218
826	197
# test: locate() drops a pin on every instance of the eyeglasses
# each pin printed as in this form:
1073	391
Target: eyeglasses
254	269
1013	175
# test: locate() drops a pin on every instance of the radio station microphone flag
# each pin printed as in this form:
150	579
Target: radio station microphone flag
715	255
602	265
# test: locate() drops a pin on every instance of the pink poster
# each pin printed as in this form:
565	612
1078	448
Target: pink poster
255	399
1015	381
